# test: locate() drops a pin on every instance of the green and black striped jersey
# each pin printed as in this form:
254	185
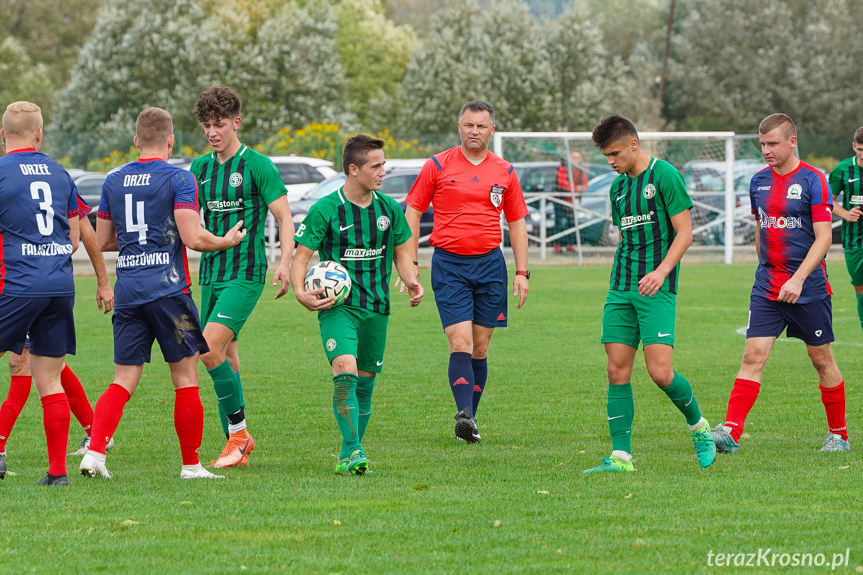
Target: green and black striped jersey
642	208
845	180
363	240
239	189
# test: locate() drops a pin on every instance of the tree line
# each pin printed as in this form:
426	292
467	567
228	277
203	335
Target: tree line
357	64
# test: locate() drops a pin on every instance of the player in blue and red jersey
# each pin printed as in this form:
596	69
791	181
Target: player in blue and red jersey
38	233
19	364
149	213
792	203
470	187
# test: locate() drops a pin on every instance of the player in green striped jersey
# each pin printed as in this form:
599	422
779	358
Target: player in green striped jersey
235	183
366	232
650	206
845	179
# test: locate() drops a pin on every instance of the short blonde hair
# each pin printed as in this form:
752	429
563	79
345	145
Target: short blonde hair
774	121
154	127
22	119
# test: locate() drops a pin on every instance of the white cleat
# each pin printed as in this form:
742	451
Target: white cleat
93	465
85	445
197	471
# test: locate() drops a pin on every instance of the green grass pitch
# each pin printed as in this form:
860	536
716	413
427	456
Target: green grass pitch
517	503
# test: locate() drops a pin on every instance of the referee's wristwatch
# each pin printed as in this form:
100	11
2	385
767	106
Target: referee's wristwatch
525	273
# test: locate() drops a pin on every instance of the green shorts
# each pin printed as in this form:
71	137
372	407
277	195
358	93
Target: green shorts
354	331
229	303
854	264
629	317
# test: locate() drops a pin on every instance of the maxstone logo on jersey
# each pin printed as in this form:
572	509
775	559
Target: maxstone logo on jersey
857	199
225	205
362	253
631	221
779	222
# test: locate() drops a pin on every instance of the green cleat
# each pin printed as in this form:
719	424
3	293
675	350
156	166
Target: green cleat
835	443
705	448
612	463
722	439
357	462
342	466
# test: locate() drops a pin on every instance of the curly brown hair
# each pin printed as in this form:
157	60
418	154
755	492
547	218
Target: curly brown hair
216	103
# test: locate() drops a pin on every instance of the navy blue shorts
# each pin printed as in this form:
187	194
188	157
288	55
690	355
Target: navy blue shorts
812	322
50	322
470	288
173	322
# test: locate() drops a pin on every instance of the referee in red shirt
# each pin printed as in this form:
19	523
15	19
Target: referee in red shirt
469	187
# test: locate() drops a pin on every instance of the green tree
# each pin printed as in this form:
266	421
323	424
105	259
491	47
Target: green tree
374	55
22	79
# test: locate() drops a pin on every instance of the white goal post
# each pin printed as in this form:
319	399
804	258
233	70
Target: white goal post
708	161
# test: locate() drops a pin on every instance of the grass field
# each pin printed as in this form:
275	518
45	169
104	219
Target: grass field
517	503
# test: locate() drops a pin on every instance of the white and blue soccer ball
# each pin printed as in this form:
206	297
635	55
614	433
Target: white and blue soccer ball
331	276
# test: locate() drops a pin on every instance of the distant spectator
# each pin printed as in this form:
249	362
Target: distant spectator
579	176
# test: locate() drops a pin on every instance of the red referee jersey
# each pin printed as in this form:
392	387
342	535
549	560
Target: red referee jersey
467	200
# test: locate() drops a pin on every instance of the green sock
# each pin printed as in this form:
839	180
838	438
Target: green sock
680	393
240	389
346	412
621	412
225	384
860	308
365	387
223	419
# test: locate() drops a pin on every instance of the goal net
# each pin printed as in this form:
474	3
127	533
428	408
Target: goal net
566	182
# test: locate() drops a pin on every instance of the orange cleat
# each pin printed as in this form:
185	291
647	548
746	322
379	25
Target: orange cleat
239	445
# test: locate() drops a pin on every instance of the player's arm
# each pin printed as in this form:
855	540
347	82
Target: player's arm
837	186
281	211
407	271
682	225
791	290
518	241
106	235
309	299
413	216
74	231
201	240
104	291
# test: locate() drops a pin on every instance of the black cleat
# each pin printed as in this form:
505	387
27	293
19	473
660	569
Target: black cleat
2	464
466	429
54	480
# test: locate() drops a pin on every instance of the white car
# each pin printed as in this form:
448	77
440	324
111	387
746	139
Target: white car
301	173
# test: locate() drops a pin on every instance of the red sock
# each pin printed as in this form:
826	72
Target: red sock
743	396
19	391
834	404
55	410
78	402
189	422
109	410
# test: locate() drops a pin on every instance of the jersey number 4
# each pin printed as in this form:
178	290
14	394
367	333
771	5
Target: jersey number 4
132	225
41	191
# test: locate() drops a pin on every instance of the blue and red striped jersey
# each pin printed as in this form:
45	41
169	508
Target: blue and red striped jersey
140	199
37	198
786	207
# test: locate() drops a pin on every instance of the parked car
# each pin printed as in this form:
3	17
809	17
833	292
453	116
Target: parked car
300	173
89	186
396	184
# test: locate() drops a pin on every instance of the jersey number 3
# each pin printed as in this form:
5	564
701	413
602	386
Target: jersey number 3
45	220
132	225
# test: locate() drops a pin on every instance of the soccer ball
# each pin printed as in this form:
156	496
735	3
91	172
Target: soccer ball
331	276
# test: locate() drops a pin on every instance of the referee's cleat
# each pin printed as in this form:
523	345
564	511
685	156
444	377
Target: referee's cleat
2	464
834	443
357	462
721	435
705	448
53	480
466	429
93	465
612	464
